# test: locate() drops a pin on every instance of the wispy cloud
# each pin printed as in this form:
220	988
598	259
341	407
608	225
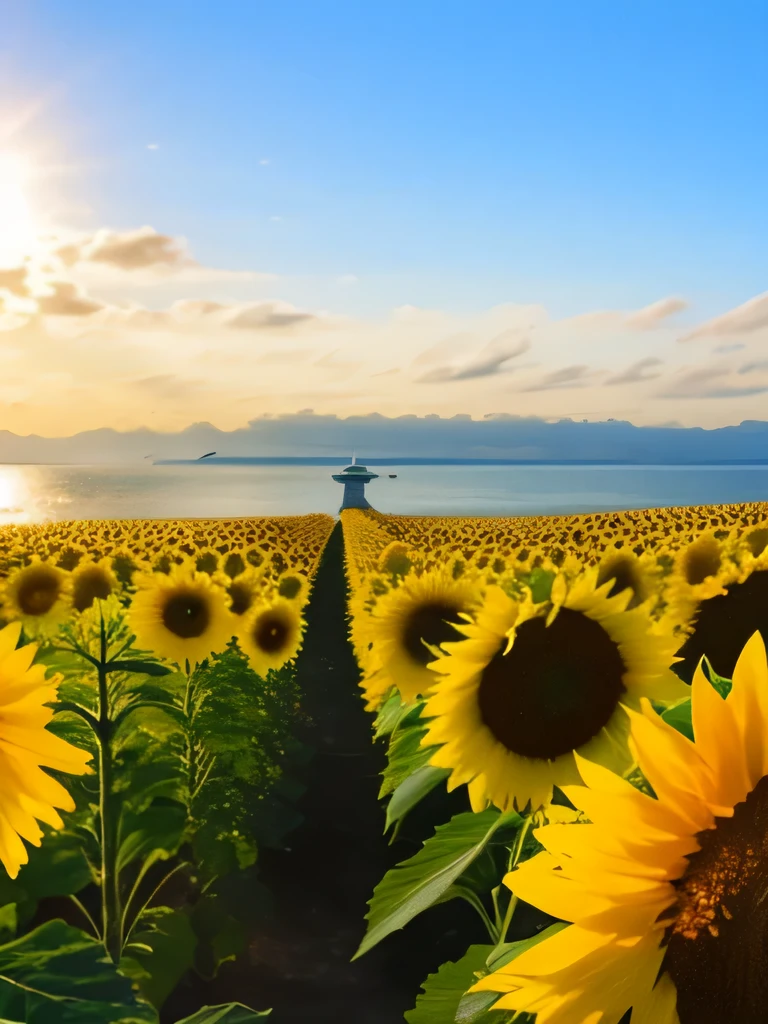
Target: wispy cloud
577	376
637	372
15	281
67	300
128	250
263	315
491	361
759	365
652	316
648	318
750	316
710	382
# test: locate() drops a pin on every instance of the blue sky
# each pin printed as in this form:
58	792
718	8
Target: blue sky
449	154
552	159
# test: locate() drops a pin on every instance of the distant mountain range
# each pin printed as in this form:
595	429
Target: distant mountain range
404	440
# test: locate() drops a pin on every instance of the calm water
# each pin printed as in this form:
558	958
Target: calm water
35	493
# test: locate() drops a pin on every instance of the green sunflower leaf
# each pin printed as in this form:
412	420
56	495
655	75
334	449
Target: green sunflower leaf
722	685
57	974
478	1007
424	879
388	716
412	790
155	829
231	1013
147	668
169	951
442	993
405	756
679	717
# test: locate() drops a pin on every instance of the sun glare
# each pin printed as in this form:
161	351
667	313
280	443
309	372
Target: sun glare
17	224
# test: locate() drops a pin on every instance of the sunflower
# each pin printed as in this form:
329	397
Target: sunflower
665	896
39	595
700	571
92	581
181	615
409	622
29	793
395	560
626	570
532	683
270	635
243	591
292	586
726	615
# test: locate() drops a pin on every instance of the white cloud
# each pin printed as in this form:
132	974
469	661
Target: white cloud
84	314
648	318
745	319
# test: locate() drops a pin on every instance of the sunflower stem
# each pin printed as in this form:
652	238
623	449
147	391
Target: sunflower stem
514	857
110	894
85	914
78	709
511	907
191	758
496	911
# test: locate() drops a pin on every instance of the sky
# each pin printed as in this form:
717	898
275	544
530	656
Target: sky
220	212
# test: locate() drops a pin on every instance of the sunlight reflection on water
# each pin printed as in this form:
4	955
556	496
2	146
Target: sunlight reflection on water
37	493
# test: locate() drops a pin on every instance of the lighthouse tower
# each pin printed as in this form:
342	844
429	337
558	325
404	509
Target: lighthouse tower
354	478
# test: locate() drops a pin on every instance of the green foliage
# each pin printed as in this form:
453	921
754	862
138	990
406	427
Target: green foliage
232	1013
723	686
140	665
405	755
540	583
443	991
195	772
679	717
412	791
58	867
244	724
169	952
57	974
157	828
445	999
426	878
393	713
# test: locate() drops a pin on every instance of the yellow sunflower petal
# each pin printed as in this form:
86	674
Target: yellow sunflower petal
661	1005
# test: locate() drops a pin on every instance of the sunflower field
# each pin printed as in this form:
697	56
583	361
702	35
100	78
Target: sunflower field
577	708
149	667
570	720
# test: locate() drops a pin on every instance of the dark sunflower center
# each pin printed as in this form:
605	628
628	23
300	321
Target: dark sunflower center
290	587
429	624
89	586
757	541
270	633
701	561
207	562
723	626
625	575
717	953
234	564
186	615
555	689
39	590
240	598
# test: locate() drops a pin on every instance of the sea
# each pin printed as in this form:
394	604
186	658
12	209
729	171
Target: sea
36	493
